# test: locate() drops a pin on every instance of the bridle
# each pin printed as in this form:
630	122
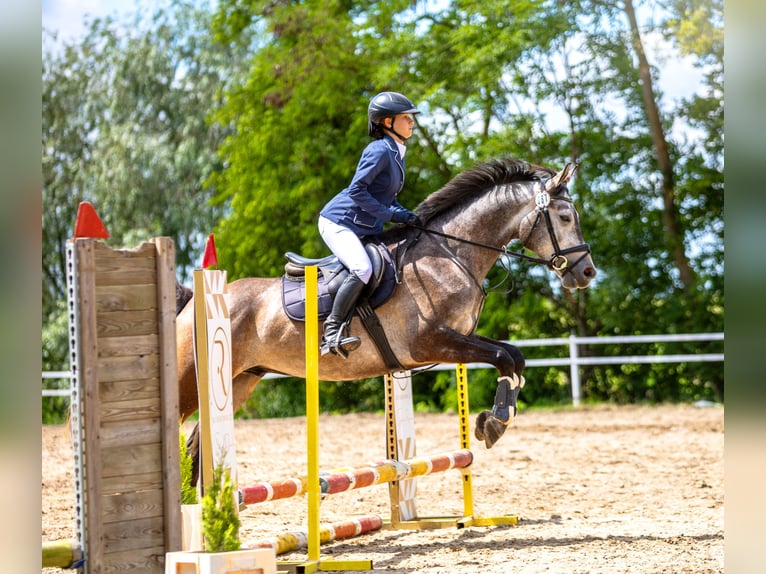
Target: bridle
558	261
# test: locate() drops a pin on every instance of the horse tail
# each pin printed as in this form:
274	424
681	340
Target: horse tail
183	296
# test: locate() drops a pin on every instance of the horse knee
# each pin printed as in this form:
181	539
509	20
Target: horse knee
519	362
504	362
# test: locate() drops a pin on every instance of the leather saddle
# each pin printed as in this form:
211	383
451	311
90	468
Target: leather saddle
331	274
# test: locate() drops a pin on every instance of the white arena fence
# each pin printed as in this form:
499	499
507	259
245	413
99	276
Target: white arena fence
574	361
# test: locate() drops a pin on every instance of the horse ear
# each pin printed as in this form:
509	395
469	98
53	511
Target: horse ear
561	177
569	171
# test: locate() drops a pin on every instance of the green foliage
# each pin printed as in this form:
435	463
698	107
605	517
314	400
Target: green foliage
55	357
220	520
248	120
286	397
125	127
189	493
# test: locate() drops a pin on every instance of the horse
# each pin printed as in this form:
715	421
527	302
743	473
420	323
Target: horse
431	317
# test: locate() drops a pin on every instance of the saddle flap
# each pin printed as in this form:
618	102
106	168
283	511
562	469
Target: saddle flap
378	267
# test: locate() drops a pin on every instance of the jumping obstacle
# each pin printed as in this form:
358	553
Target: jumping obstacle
61	553
124	406
314	562
399	475
338	481
343	530
400	431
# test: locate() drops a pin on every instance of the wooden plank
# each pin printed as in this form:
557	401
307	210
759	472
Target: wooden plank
143	409
112	369
145	250
127	390
133	534
116	434
126	276
132	505
126	461
126	297
128	346
147	561
166	297
124	323
143	480
87	363
127	266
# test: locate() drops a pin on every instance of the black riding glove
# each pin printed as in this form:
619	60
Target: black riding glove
404	215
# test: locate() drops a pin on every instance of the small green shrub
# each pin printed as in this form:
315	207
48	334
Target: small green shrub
220	520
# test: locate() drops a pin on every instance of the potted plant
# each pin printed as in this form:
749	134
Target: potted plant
220	519
222	551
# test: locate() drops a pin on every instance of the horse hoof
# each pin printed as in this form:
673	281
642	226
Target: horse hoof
478	429
493	430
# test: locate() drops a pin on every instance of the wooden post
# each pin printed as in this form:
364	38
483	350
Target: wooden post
125	404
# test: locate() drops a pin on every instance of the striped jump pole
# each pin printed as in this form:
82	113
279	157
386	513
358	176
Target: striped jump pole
290	541
62	554
391	470
342	480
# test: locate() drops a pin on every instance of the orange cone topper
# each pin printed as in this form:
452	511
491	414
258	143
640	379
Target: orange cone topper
88	222
210	258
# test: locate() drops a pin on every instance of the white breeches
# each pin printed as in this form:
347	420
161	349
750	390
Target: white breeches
345	244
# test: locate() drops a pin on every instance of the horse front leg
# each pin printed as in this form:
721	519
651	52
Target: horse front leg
491	425
452	347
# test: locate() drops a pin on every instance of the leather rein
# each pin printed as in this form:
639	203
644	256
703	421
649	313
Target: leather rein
557	261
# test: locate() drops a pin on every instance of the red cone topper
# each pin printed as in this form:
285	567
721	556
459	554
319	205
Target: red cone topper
88	222
210	258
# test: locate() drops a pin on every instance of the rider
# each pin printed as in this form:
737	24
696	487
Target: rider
361	209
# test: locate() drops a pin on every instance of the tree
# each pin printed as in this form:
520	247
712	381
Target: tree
125	126
485	71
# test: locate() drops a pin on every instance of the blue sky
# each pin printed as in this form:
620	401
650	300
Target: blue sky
67	16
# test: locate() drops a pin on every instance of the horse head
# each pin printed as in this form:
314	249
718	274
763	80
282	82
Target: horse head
552	229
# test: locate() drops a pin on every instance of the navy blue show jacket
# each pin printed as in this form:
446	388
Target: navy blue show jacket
370	199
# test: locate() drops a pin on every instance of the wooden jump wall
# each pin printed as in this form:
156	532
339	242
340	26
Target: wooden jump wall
124	404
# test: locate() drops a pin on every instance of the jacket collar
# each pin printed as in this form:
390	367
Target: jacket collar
394	148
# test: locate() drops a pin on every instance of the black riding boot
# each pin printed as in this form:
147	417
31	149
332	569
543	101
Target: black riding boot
333	340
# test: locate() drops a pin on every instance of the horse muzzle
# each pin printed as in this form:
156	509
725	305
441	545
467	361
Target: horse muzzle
577	274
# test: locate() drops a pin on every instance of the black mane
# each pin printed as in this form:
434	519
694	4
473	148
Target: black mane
476	180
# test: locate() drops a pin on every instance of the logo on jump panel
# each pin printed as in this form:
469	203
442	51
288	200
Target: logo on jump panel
220	363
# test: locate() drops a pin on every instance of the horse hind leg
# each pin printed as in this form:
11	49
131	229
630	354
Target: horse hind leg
242	386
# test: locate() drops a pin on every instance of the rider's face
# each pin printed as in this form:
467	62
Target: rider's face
403	125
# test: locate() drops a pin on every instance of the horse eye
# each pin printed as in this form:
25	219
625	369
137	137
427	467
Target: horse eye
566	218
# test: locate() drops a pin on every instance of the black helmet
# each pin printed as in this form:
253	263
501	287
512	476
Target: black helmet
386	105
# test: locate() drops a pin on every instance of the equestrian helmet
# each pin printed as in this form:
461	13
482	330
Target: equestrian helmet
386	105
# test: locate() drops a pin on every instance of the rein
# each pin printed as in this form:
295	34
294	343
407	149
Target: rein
504	249
558	260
